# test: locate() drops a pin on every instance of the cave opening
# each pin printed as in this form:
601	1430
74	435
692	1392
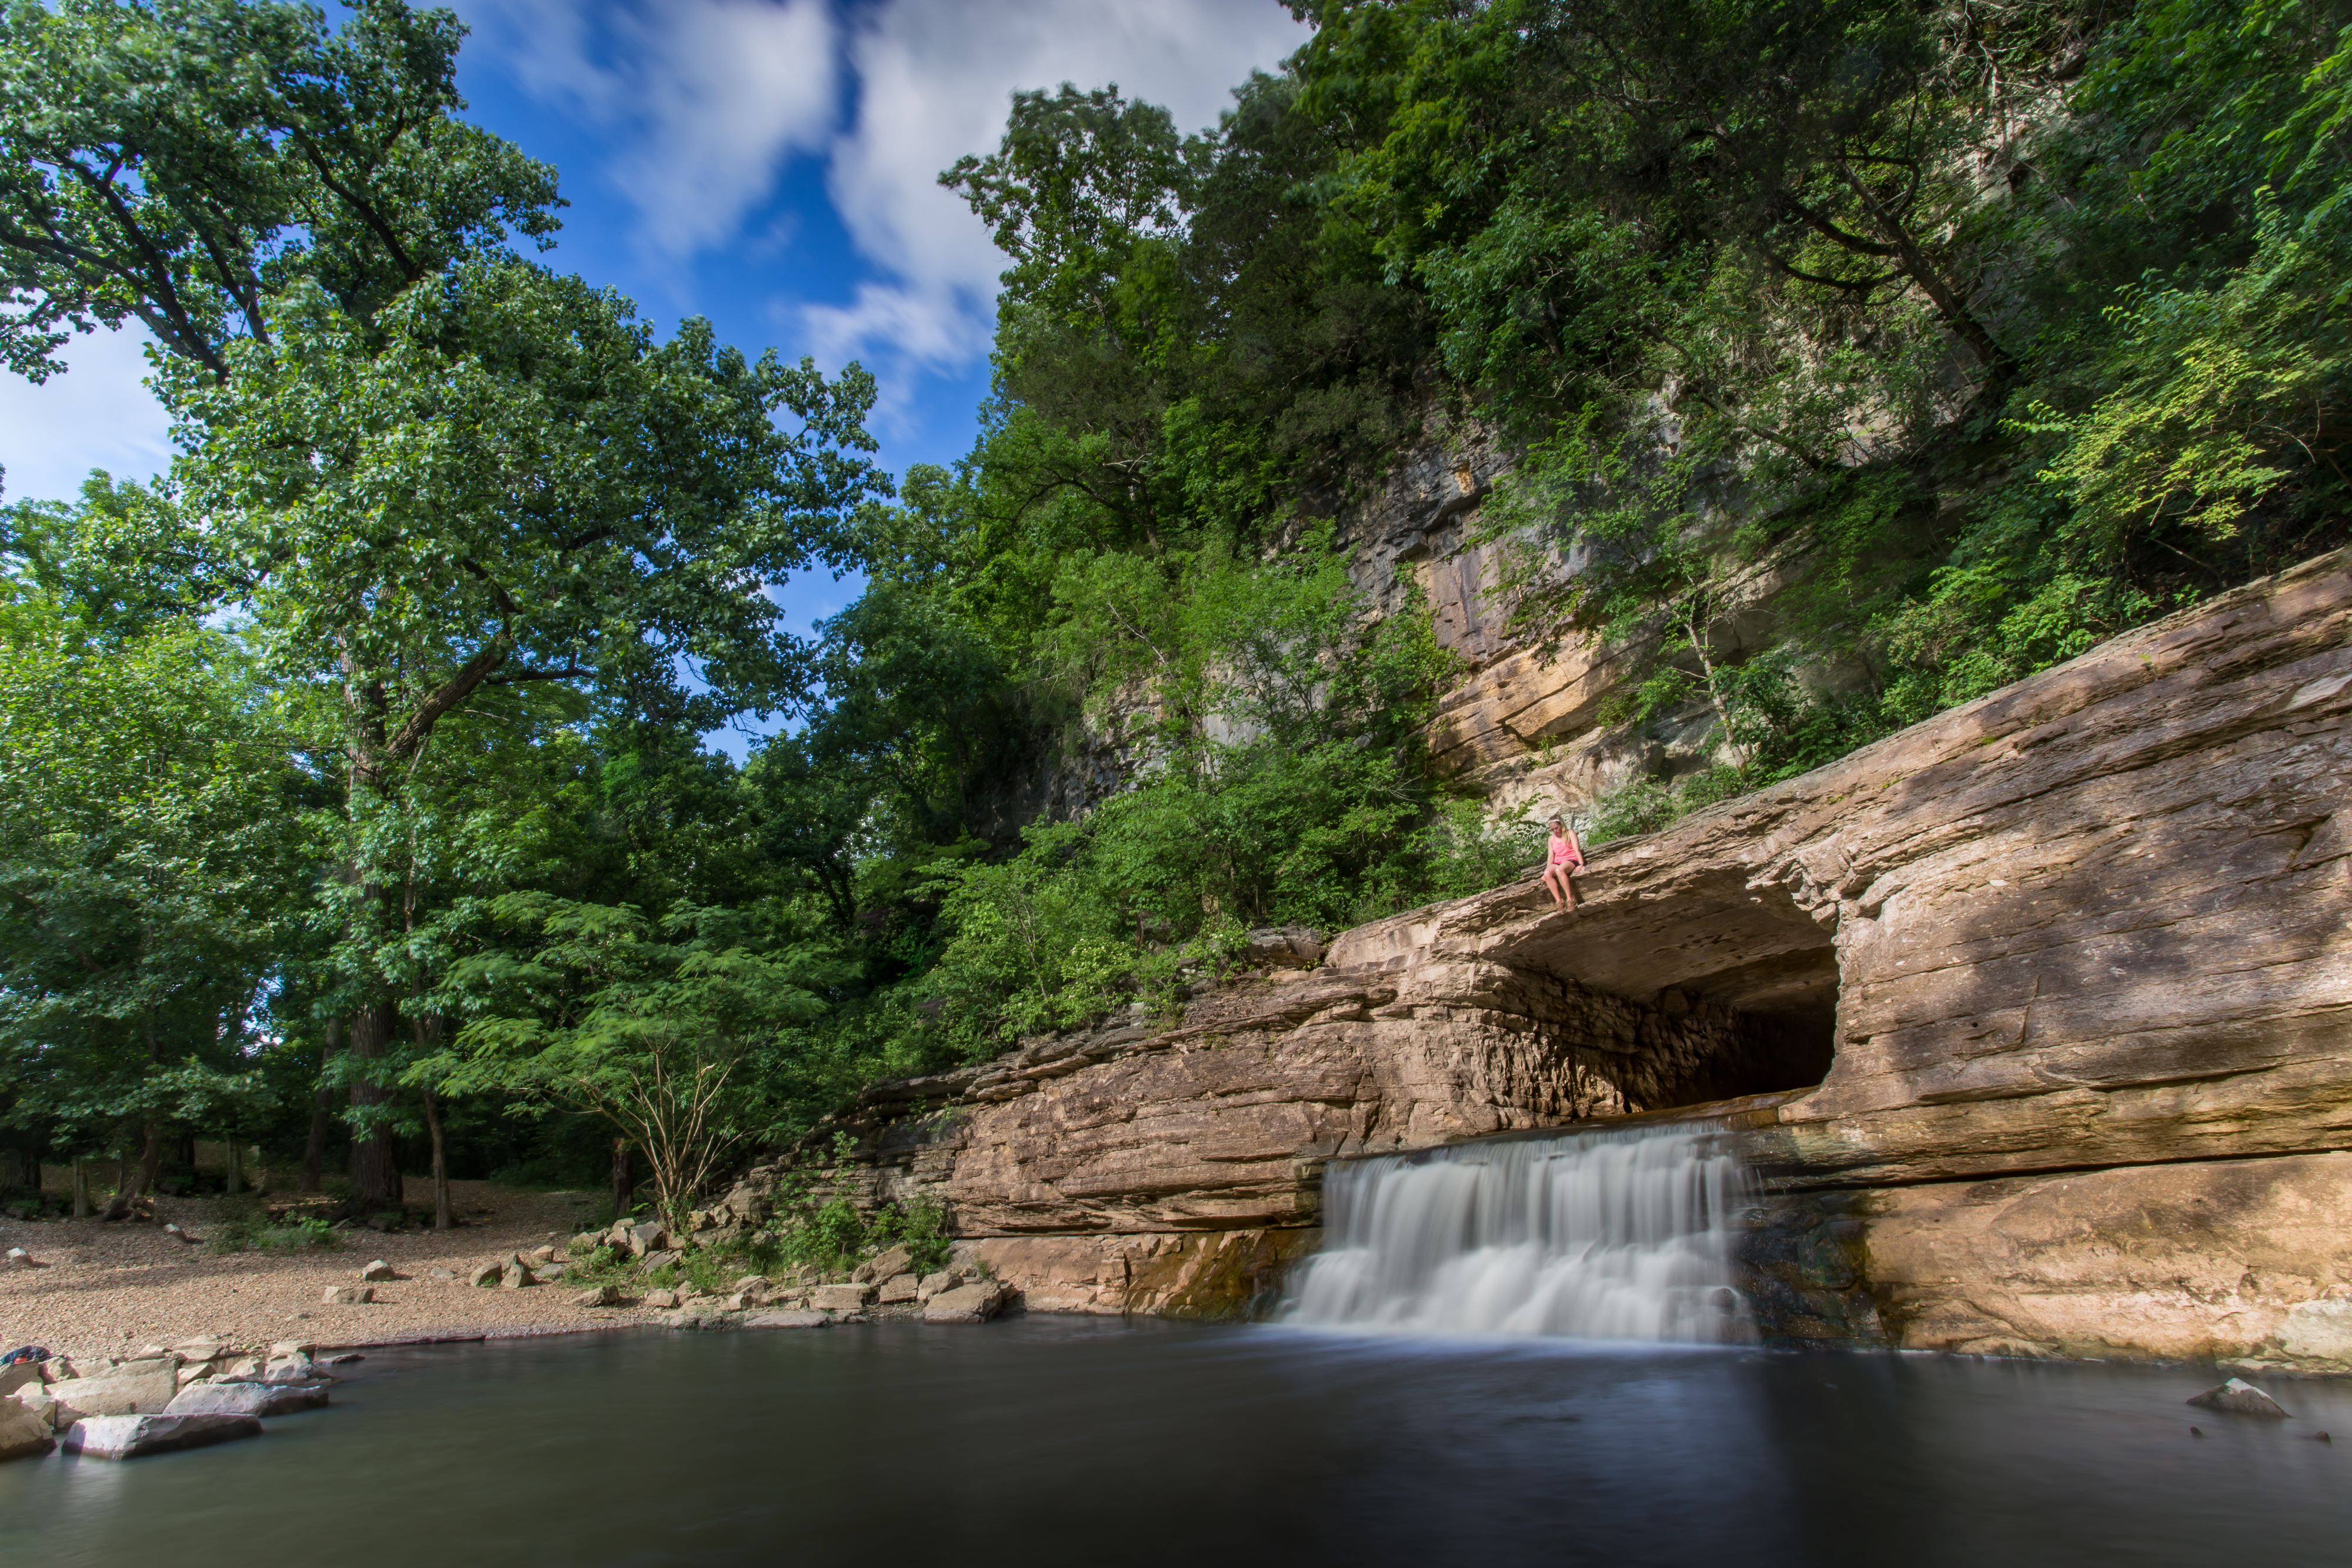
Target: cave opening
1738	985
1781	1028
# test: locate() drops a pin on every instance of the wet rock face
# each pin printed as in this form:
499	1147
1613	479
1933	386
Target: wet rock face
2041	971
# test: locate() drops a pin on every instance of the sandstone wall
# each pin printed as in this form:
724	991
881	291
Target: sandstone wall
2077	959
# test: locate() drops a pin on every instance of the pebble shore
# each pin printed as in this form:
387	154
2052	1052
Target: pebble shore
96	1289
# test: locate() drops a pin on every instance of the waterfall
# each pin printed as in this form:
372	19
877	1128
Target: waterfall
1606	1235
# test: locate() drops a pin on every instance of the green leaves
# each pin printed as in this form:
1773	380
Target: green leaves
508	479
669	1029
1083	191
179	162
152	876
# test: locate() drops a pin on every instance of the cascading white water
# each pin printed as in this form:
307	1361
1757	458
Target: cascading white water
1608	1235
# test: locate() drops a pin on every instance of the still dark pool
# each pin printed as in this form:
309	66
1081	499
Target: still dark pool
1045	1441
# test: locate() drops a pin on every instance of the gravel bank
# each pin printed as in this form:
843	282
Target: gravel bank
109	1288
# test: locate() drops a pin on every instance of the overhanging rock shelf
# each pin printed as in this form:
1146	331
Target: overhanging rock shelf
2038	1015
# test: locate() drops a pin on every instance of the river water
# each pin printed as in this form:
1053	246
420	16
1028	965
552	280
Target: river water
1046	1441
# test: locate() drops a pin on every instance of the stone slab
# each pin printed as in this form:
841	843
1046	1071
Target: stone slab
137	1436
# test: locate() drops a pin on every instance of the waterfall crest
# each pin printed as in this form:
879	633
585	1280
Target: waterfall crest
1625	1234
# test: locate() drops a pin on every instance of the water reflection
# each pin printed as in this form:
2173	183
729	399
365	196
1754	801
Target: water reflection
1045	1441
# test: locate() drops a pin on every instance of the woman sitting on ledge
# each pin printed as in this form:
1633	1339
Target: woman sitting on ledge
1567	856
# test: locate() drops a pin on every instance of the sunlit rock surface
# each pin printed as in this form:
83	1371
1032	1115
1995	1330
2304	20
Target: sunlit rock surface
2040	1011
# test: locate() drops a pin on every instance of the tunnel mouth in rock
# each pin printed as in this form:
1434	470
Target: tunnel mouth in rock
1736	986
1784	1018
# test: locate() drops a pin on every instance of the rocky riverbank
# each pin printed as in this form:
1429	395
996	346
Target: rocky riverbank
105	1291
83	1292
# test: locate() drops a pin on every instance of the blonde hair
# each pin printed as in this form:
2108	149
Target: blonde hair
1559	824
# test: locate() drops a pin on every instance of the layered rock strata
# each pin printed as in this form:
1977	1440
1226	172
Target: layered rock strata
2048	1002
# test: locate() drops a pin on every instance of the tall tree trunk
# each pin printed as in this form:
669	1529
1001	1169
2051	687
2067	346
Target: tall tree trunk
376	1146
624	1182
441	1217
80	1188
314	1147
375	1151
233	1179
151	1160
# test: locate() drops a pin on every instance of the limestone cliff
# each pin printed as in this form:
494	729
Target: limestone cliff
2042	1012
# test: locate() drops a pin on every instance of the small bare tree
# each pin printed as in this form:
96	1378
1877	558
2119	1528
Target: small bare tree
657	1027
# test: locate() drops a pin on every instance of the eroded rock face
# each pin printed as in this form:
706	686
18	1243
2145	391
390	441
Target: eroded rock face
2028	986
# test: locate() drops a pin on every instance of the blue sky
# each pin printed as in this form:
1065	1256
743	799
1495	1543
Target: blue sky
768	163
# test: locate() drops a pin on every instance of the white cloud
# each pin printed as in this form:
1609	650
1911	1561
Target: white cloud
935	81
926	326
709	97
95	415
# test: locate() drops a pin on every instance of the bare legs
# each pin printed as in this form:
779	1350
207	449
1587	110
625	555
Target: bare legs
1555	881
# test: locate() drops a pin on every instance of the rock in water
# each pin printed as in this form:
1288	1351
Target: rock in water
247	1399
973	1303
786	1319
289	1369
134	1388
2242	1398
136	1437
841	1298
23	1433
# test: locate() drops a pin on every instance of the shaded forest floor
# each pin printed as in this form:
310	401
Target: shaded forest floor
103	1289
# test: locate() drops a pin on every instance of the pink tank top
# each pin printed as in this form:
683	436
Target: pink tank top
1563	853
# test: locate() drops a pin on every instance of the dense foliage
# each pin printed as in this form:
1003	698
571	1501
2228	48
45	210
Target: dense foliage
1983	331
